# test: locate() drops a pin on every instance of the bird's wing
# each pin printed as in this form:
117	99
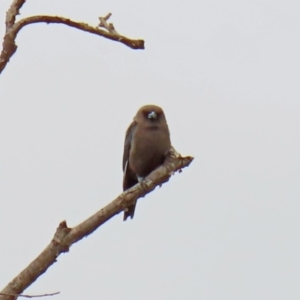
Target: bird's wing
129	178
127	145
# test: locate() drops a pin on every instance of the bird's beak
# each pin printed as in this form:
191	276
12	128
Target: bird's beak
152	115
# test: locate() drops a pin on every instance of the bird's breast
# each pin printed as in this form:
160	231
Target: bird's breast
148	149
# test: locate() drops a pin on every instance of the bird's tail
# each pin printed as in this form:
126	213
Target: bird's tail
129	212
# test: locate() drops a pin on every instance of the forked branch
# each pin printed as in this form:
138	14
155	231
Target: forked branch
13	28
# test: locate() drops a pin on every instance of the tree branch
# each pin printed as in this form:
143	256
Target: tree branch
30	296
65	237
110	34
12	13
13	28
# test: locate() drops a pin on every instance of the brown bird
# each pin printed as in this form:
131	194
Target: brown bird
147	143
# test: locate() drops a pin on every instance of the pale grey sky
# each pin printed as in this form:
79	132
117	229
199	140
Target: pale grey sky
227	75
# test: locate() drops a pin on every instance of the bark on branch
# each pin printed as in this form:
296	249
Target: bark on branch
65	236
13	28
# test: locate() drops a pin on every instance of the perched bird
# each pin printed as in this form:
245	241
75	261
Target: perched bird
147	143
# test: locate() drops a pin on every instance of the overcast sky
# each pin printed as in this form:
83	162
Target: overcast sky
227	75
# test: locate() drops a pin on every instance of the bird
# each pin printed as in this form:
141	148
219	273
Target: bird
147	143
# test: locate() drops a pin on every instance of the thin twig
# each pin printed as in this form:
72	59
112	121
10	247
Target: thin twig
29	296
108	26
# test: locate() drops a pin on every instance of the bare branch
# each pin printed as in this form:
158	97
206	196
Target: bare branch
12	13
134	44
9	46
12	30
29	296
65	237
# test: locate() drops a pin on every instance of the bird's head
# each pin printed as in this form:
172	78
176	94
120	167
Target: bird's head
150	114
